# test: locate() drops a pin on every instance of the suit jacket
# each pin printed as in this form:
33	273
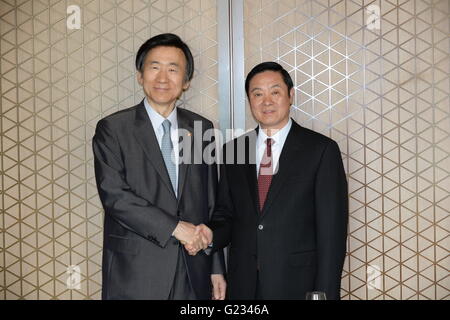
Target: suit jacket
298	241
142	211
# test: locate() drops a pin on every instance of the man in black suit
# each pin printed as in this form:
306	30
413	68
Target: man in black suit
155	199
282	202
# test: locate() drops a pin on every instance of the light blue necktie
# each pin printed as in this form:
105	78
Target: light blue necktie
167	150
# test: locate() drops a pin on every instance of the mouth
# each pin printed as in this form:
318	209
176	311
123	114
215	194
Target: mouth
268	111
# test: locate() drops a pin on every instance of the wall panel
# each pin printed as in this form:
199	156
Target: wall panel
381	90
56	83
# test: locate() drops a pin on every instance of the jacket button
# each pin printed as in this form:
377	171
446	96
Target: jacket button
260	227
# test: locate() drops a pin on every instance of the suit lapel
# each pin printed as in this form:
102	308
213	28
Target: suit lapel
145	135
291	151
250	172
185	123
250	167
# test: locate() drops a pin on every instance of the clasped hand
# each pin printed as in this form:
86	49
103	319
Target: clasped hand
194	238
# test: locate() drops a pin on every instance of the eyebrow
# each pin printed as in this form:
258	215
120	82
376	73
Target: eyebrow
274	86
157	62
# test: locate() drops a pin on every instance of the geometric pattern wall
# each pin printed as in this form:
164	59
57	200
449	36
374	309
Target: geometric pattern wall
55	84
382	92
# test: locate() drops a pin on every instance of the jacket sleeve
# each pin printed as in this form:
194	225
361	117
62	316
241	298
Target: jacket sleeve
218	260
118	199
222	218
331	202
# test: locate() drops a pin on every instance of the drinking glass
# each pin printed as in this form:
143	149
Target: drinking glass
316	295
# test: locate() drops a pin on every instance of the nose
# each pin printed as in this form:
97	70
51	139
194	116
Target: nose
267	100
162	76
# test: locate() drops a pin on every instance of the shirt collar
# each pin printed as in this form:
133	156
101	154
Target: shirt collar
278	138
158	119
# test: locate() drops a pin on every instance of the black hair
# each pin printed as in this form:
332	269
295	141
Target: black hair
166	40
269	66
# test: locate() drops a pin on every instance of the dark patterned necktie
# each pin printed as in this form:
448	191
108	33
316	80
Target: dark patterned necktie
265	174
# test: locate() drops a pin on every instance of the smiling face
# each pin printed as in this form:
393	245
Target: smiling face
270	101
163	78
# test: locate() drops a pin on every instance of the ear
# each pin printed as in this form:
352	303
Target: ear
291	95
186	85
139	78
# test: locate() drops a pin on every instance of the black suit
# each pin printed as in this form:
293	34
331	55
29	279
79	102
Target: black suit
298	241
141	210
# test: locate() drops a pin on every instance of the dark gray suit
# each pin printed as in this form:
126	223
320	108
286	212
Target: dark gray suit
141	210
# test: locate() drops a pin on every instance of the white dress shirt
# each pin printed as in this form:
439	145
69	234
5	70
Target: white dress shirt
157	121
278	140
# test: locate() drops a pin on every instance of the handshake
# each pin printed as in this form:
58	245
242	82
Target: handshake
194	238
